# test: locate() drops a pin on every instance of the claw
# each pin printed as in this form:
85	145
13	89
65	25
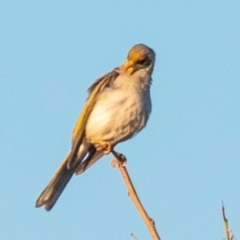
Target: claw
119	160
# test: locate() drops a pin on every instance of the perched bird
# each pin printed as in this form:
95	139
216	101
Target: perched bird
118	107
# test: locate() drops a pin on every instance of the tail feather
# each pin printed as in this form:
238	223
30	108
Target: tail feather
55	187
53	190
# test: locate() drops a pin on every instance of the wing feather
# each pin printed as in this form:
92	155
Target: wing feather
79	129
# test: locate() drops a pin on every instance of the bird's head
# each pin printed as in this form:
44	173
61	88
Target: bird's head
139	57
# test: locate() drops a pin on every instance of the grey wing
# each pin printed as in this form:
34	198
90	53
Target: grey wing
106	80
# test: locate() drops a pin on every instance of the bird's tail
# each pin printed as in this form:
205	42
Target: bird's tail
53	190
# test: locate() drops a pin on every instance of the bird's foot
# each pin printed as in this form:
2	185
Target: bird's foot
119	159
105	147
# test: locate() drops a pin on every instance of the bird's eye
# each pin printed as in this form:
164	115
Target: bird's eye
143	61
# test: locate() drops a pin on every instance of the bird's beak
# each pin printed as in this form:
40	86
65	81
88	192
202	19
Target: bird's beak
128	66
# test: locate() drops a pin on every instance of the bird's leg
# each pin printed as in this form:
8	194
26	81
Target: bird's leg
104	146
119	160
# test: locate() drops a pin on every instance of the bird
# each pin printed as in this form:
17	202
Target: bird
117	108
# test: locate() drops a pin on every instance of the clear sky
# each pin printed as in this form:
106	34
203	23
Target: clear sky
183	164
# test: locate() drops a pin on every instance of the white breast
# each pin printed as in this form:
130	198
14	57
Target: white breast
119	112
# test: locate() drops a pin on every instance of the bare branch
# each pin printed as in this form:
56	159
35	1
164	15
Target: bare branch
120	161
228	232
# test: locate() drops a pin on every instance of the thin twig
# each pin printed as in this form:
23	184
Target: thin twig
225	222
120	161
232	235
133	236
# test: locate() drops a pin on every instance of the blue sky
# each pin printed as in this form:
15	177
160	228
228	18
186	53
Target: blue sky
184	163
